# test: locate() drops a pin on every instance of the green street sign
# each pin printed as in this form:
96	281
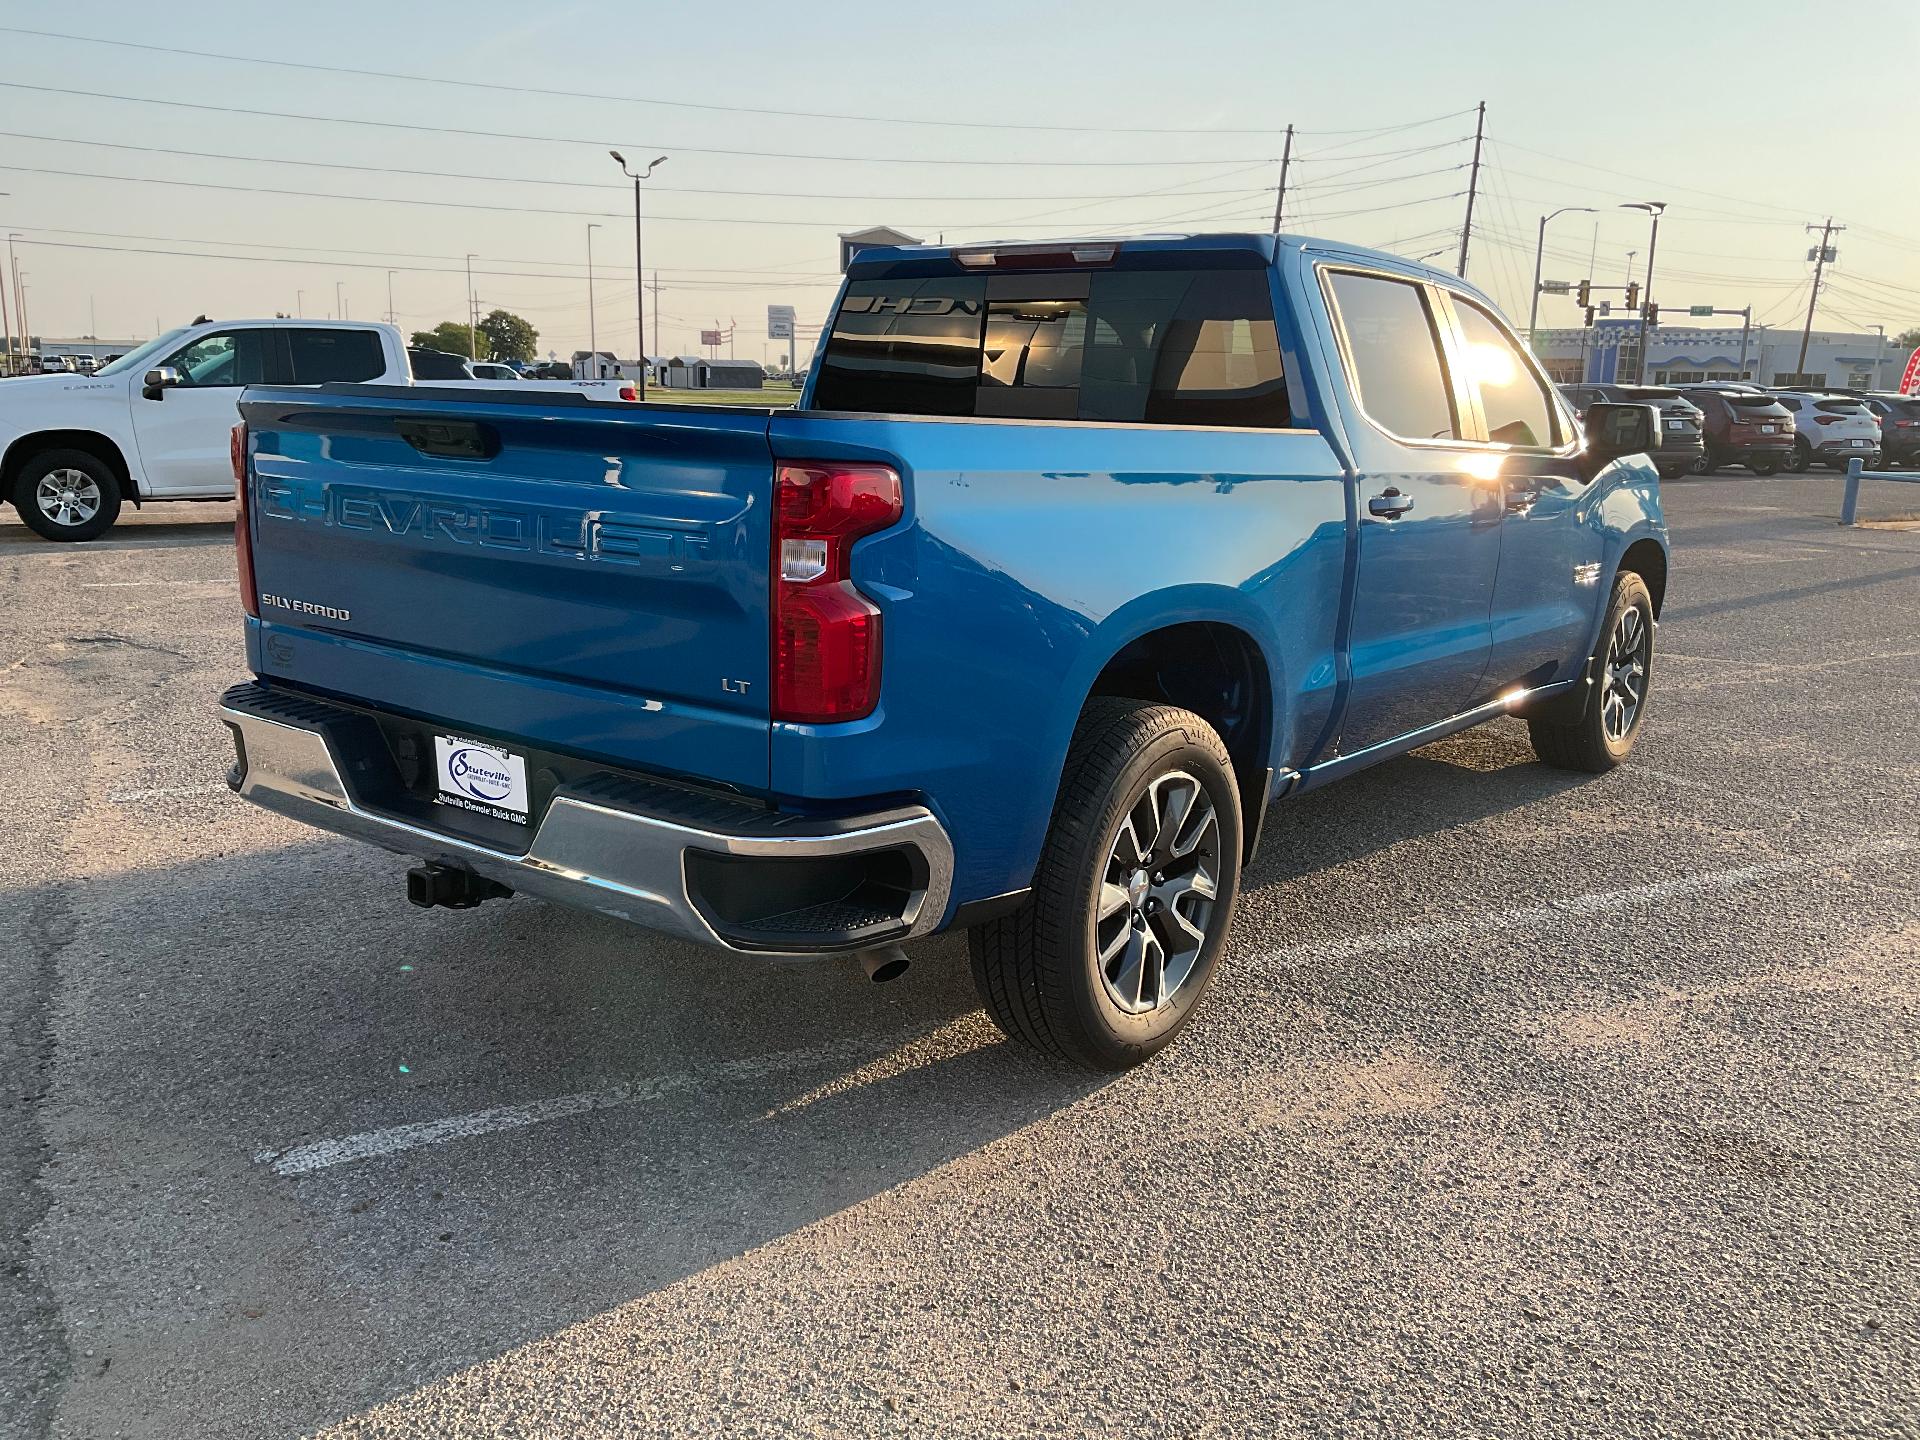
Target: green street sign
1699	310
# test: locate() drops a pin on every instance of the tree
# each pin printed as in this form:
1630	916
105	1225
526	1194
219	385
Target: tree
508	337
1909	341
449	335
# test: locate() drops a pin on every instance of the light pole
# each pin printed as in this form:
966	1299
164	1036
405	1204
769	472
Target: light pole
473	344
1653	208
339	305
639	274
300	304
593	328
392	319
19	298
6	322
1539	256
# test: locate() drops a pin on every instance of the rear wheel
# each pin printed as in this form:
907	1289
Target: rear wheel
67	495
1801	457
1770	465
1116	945
1599	737
1704	465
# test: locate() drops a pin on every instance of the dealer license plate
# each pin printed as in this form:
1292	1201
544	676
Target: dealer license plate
482	778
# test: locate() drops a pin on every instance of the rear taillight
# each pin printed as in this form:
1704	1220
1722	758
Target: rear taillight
627	392
826	634
242	530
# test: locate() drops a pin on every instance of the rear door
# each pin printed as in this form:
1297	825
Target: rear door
1429	524
580	577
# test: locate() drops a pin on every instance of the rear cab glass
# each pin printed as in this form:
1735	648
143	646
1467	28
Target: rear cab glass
1114	345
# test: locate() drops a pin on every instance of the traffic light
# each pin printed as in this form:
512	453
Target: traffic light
1589	315
1653	314
1584	296
1633	293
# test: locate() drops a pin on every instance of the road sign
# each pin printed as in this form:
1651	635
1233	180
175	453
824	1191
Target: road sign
779	322
1555	287
1699	310
1606	307
1910	382
710	337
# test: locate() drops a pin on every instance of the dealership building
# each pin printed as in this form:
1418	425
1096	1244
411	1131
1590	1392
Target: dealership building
1608	351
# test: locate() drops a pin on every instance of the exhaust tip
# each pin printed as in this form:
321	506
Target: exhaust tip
884	965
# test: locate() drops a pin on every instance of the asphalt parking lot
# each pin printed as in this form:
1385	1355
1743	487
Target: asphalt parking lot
1529	1104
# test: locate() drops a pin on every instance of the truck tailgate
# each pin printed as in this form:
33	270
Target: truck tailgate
577	576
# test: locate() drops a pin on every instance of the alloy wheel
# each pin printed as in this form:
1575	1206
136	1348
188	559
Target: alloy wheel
1157	893
68	497
1628	652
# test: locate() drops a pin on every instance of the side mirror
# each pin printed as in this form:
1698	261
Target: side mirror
160	380
1616	430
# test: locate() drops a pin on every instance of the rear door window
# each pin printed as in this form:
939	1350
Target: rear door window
1166	347
320	356
1393	347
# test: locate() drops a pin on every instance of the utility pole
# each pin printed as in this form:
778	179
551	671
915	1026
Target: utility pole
593	326
1746	329
392	318
473	344
1286	159
1473	189
656	314
1813	298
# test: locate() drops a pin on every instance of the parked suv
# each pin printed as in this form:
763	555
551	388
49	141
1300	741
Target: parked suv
1743	427
1681	447
1899	417
1830	429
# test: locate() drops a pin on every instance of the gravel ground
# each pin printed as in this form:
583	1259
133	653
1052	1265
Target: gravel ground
1529	1104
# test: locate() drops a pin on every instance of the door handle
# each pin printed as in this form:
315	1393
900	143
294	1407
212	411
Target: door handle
1390	504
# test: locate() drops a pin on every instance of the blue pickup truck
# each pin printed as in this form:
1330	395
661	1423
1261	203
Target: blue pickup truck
1072	559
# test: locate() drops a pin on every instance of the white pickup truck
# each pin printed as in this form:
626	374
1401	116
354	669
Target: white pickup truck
155	424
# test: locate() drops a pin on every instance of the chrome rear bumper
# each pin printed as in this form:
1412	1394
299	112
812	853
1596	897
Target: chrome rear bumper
595	848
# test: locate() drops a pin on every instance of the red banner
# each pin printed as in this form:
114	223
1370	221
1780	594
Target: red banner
1910	382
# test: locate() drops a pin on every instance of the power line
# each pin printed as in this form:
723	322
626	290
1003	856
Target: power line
573	94
277	160
93	95
458	204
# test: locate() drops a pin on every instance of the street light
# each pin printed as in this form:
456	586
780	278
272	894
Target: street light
1539	255
392	319
339	305
593	329
473	343
1653	208
639	273
300	304
19	299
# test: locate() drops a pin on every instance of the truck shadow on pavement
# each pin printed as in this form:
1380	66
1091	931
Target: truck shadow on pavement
217	1015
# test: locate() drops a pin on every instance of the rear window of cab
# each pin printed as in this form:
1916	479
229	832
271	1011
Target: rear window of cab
1155	347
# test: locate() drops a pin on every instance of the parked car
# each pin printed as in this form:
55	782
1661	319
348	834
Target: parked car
72	453
1743	427
1899	417
55	365
1682	440
1075	557
1829	429
491	370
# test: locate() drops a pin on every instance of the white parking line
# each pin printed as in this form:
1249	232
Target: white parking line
1549	912
397	1139
138	584
373	1144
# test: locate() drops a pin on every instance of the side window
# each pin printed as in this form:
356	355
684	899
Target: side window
1512	397
322	355
1394	348
226	357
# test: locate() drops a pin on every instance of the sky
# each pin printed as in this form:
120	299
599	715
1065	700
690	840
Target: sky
987	120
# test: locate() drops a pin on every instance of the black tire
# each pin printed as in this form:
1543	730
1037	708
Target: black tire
46	519
1587	740
1038	970
1704	465
1801	458
1764	468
